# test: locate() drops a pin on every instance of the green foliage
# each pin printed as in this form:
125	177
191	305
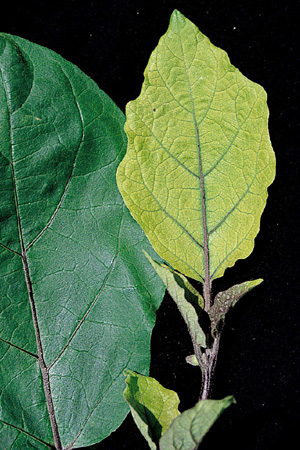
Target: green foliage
153	407
78	297
195	177
188	300
227	299
199	157
188	430
155	411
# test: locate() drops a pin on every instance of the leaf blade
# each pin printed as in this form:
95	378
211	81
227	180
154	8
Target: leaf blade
82	250
188	430
227	299
188	300
192	123
153	407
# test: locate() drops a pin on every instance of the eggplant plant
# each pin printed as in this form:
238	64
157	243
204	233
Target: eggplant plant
84	266
195	176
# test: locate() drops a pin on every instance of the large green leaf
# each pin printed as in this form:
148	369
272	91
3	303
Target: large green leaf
199	157
187	431
153	407
78	297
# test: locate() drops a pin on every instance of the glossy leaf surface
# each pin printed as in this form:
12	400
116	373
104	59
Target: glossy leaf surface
78	297
199	157
188	430
153	407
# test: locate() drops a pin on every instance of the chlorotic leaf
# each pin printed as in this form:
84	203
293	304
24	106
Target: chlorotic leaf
227	299
188	300
188	430
199	157
78	298
192	360
153	407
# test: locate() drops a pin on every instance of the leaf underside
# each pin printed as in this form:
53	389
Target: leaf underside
199	157
74	279
227	299
188	300
153	407
188	430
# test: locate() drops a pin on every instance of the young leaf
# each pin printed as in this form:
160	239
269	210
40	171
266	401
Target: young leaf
78	298
188	300
199	157
192	360
187	431
227	299
153	407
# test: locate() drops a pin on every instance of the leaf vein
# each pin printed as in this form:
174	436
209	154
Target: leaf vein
92	303
164	148
231	142
71	173
26	432
18	348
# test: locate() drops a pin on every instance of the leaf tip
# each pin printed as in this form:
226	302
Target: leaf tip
253	283
230	400
128	373
146	254
176	16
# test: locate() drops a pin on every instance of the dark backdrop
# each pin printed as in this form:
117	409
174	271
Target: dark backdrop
111	41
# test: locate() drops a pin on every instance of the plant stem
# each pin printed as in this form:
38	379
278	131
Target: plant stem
208	368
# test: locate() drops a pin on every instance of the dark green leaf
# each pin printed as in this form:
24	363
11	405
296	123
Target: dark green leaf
78	298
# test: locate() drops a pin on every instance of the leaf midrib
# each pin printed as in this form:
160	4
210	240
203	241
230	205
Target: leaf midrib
176	222
207	277
43	367
45	370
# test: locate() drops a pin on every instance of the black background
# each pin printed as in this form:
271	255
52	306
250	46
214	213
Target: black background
111	41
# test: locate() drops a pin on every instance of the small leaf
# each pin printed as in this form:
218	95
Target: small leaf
227	299
77	296
199	158
153	407
187	299
192	360
188	430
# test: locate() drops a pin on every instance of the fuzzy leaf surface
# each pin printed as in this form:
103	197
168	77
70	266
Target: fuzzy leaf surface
75	285
153	407
199	157
188	300
227	299
188	430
